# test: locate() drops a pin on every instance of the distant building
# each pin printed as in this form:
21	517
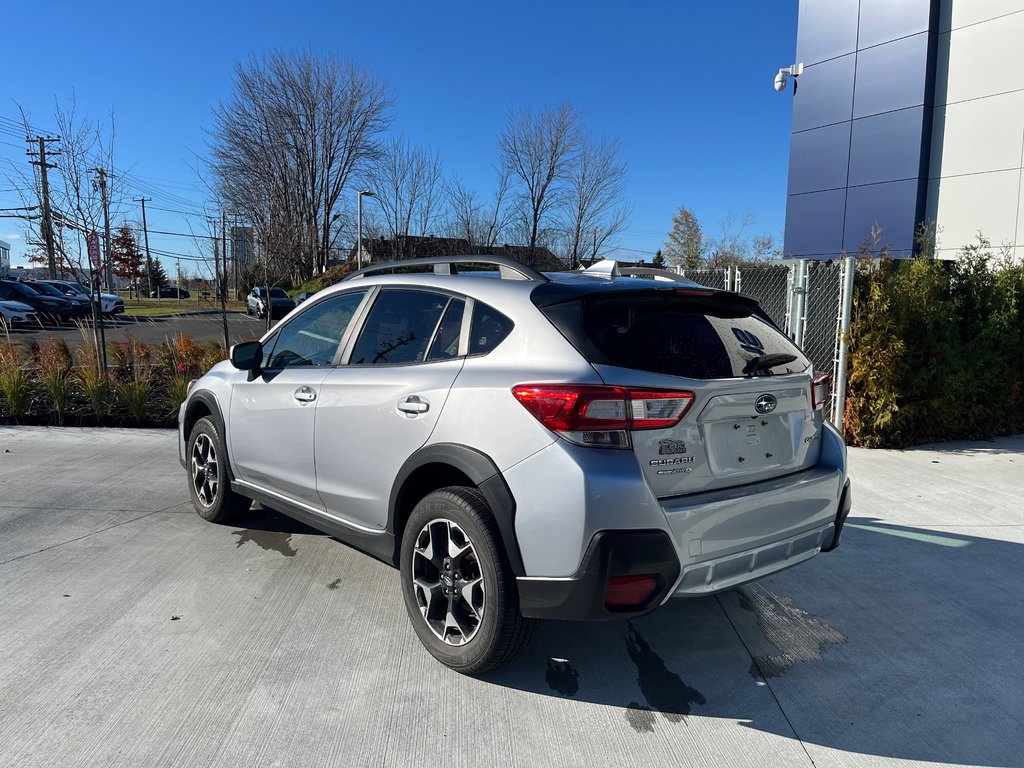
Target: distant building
5	258
242	251
415	247
906	112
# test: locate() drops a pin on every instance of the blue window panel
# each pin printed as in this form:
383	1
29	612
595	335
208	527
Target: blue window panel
824	94
891	76
826	29
882	21
814	224
886	147
890	208
819	159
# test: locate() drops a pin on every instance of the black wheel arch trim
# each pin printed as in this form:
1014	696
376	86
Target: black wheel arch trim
208	399
482	472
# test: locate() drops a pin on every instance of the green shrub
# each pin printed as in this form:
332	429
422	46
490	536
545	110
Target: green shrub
935	350
53	363
15	382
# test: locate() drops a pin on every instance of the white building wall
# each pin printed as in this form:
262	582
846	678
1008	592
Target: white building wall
5	258
976	177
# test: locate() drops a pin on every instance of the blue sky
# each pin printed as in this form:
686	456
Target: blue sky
686	86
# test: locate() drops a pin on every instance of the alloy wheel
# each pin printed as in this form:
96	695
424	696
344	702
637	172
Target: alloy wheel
447	582
204	469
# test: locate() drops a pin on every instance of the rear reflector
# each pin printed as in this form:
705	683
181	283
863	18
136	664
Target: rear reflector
624	592
821	390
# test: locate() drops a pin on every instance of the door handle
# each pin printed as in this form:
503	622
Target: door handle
305	394
413	405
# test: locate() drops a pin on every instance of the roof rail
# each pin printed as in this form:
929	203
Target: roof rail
509	269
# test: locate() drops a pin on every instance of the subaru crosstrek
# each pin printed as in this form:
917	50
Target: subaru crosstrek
526	446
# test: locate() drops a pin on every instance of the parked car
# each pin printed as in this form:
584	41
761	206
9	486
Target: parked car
48	307
526	446
110	303
170	292
17	313
80	305
280	302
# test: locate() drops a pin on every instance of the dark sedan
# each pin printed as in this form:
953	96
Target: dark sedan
80	304
170	292
49	307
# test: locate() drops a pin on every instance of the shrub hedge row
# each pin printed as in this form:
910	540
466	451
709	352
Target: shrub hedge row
142	386
936	350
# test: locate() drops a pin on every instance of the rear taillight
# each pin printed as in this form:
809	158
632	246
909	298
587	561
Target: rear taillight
623	593
821	390
596	415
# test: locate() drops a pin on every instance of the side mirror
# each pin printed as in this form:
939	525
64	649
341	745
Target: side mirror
247	356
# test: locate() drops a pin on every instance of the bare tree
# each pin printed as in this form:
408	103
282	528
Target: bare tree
594	199
286	144
731	247
537	148
408	189
481	225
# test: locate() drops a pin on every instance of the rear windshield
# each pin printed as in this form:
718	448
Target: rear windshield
678	335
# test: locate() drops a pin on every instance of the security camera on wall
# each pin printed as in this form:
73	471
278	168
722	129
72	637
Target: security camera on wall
782	79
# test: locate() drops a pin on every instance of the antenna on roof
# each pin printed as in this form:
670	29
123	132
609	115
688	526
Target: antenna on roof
605	268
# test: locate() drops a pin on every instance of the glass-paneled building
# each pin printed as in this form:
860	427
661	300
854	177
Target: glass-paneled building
906	111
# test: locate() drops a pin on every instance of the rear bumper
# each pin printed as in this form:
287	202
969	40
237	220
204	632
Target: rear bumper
611	553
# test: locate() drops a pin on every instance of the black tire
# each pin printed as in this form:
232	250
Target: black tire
208	483
501	632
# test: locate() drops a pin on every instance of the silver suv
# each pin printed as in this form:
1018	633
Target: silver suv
524	445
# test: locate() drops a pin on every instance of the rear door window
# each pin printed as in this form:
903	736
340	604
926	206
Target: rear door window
666	331
399	327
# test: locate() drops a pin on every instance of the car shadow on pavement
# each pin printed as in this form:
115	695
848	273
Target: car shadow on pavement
267	520
904	643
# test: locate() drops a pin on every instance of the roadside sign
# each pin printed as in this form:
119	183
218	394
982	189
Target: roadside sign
94	249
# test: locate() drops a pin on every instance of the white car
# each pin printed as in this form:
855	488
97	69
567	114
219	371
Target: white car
110	304
16	313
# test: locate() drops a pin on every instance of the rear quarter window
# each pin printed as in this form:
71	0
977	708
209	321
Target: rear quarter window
664	332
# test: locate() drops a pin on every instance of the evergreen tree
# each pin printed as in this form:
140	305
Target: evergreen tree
685	245
659	261
159	277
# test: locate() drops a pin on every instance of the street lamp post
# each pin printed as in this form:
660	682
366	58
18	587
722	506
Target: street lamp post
359	226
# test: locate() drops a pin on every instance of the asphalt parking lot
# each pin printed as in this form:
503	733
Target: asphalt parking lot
202	327
136	634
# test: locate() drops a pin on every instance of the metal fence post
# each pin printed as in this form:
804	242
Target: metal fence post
845	311
800	309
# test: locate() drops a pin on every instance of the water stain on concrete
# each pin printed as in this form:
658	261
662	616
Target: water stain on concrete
272	541
334	584
562	677
640	718
799	636
663	689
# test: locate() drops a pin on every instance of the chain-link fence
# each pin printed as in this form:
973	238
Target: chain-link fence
770	285
821	314
712	278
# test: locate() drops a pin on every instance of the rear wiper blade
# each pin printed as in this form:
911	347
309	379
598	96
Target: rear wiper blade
767	361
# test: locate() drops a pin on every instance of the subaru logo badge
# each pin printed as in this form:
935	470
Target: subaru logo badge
765	404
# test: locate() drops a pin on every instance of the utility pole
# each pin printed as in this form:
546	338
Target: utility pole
102	173
45	185
149	261
224	283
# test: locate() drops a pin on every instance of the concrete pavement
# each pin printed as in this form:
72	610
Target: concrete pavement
135	634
